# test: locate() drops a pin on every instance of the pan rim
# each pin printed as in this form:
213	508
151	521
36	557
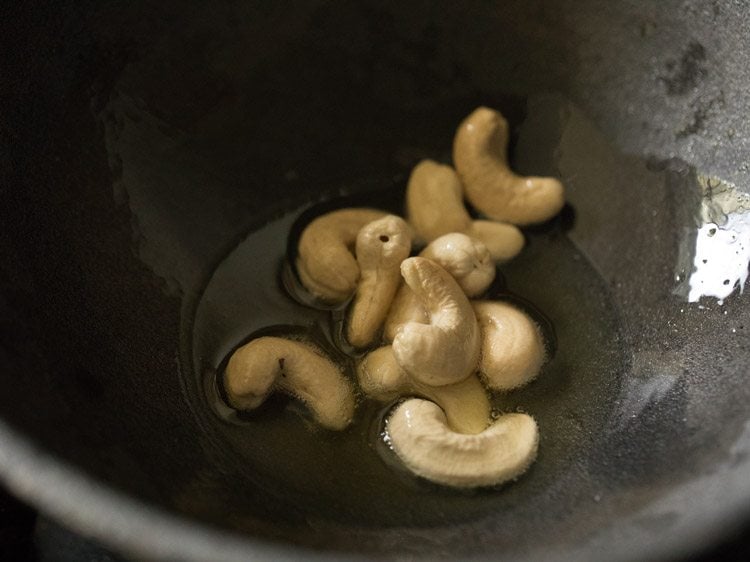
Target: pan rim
133	527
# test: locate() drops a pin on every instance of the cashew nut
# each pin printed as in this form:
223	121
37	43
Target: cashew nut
269	363
420	436
381	247
446	350
435	207
465	403
405	308
513	350
480	150
466	259
325	263
503	241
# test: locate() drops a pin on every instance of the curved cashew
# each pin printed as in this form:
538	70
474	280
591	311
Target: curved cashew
466	259
381	247
421	438
465	403
446	350
434	203
513	350
480	150
325	263
269	363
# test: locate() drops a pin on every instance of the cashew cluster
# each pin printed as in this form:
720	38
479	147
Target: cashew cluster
429	349
434	204
444	433
466	259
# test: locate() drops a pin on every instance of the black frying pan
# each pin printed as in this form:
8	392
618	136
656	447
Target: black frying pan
154	158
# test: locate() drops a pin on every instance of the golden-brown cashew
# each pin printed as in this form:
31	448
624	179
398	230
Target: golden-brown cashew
381	247
480	150
435	207
419	434
465	403
301	370
466	259
513	350
325	263
446	350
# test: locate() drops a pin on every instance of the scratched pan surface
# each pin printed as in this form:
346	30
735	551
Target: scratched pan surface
153	160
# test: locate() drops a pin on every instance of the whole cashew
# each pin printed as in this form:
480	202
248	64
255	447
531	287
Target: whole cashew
381	247
434	204
267	363
465	403
465	258
325	263
513	350
480	150
419	434
446	350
